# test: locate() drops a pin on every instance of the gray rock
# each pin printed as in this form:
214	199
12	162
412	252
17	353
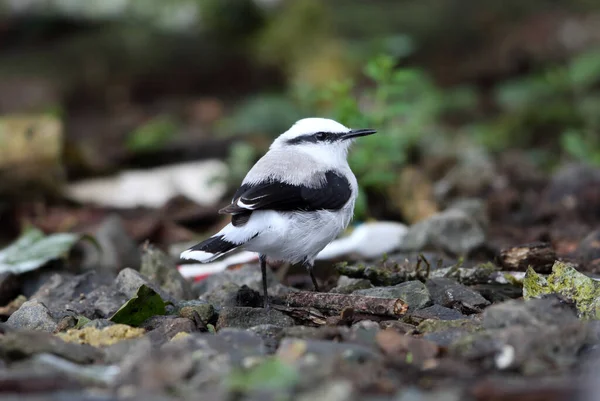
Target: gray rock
574	190
435	325
10	287
239	344
33	315
539	313
447	292
121	350
452	230
397	325
117	249
328	350
161	269
188	309
23	344
101	303
529	350
128	282
249	275
415	293
347	285
243	317
162	328
269	333
231	294
62	289
540	336
363	332
437	312
314	333
445	337
474	172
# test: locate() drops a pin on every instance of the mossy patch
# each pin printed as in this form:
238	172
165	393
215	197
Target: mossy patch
569	283
101	337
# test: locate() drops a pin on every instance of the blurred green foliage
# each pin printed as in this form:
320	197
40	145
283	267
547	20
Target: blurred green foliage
556	102
270	374
152	135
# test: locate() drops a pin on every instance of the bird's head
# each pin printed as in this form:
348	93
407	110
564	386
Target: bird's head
320	137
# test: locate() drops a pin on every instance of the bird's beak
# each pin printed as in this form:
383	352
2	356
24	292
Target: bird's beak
355	133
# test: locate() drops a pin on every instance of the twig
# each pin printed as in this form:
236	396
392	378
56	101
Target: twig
306	315
422	258
338	302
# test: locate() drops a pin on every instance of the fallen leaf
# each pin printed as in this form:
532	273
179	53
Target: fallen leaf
145	304
33	249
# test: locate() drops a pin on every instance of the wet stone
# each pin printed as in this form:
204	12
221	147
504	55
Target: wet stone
33	315
520	348
444	338
65	289
243	317
22	344
161	269
297	349
399	326
231	294
163	328
101	303
314	333
347	285
541	313
363	332
414	293
436	312
435	325
189	309
129	281
453	230
496	293
449	293
269	333
248	275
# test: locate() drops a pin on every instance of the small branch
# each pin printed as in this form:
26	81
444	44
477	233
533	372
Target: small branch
540	256
335	303
307	315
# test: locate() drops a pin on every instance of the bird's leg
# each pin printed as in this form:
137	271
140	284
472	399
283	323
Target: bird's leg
309	266
263	269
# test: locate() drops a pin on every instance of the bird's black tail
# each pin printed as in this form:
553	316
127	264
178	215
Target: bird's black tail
210	249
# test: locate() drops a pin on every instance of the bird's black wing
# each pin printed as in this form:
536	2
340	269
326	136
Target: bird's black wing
281	196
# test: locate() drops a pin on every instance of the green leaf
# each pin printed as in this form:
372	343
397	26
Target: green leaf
272	374
145	304
81	321
33	250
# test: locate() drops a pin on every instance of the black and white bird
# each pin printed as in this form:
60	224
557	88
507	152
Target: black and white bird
294	201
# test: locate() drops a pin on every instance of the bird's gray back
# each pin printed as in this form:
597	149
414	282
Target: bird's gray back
287	165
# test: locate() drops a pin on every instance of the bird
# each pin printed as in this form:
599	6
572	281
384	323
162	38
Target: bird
297	198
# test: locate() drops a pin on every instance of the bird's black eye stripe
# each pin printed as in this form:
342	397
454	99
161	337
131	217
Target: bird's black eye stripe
317	137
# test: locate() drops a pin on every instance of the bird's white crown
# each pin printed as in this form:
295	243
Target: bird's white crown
308	126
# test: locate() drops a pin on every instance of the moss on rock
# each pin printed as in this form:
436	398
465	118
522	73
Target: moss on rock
566	281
